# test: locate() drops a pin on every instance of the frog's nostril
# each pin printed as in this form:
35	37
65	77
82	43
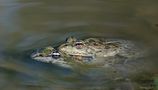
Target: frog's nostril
40	55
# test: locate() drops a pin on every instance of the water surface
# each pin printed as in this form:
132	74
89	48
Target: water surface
26	25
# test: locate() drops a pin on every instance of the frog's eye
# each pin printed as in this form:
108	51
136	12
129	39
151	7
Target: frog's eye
56	55
78	43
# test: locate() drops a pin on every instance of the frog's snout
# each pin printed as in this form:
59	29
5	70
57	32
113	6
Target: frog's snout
35	54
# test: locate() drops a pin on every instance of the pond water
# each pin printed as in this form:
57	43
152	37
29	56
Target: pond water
26	25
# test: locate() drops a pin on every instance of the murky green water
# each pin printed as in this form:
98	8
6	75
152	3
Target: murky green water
29	24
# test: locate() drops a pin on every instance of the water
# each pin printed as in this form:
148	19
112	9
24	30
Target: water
29	24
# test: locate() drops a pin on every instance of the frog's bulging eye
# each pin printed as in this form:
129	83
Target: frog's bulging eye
55	55
78	43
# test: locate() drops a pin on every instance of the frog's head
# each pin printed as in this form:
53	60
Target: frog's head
45	52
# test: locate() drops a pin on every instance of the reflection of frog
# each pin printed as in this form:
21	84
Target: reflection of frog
87	50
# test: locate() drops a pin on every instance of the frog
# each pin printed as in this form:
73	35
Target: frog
88	51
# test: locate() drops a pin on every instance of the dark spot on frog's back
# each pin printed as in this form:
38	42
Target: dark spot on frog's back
111	45
97	44
91	40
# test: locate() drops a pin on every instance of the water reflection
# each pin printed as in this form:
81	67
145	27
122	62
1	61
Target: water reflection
26	25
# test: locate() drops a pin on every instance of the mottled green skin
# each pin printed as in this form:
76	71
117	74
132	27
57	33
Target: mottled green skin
91	50
100	48
46	51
